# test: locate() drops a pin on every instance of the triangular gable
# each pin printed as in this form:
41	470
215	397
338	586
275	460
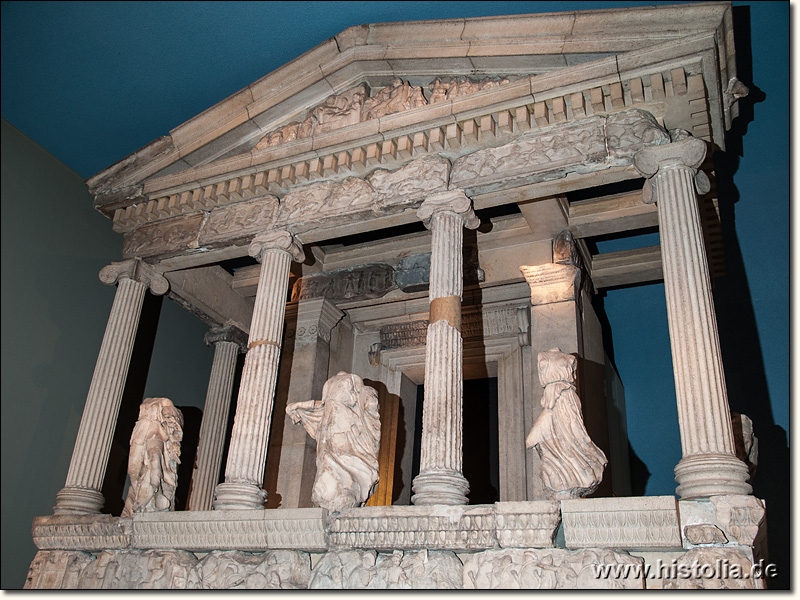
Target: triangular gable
549	58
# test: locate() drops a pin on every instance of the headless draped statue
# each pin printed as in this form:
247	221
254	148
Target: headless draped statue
154	457
347	427
572	465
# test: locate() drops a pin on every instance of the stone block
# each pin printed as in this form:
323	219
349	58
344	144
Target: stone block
633	523
527	524
414	527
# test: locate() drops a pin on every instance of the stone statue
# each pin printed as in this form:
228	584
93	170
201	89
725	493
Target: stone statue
347	427
154	457
572	466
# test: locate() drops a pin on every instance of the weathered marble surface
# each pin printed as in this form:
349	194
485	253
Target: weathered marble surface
358	104
572	465
356	283
366	569
346	425
137	569
154	457
713	569
235	570
549	570
648	522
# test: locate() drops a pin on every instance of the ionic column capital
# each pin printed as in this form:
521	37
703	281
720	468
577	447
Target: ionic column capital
227	333
451	201
279	239
137	270
684	152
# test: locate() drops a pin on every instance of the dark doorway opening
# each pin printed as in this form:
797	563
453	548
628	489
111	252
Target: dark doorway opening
480	445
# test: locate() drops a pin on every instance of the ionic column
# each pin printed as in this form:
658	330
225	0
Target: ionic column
247	453
709	465
440	479
87	469
228	342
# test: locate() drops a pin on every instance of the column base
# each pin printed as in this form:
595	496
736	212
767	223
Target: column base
81	501
440	487
703	475
239	496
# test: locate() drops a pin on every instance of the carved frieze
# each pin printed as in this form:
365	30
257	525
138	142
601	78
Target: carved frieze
586	145
631	130
577	145
238	222
81	532
326	200
357	283
704	533
359	103
649	522
551	569
163	237
408	186
710	568
354	569
290	529
527	524
741	517
56	569
459	87
234	570
137	569
502	322
414	527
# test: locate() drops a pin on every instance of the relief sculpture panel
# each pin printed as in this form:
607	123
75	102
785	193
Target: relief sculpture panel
358	283
327	200
238	222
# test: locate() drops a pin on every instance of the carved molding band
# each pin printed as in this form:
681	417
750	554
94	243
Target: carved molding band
502	322
642	523
276	175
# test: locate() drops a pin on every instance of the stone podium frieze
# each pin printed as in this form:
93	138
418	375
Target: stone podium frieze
346	425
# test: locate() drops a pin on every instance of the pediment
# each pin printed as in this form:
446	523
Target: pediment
430	101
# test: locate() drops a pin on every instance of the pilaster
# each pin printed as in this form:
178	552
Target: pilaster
293	467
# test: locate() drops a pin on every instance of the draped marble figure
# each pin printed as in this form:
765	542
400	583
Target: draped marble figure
572	465
347	427
154	457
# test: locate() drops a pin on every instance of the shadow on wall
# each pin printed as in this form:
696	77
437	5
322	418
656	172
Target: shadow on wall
742	355
114	484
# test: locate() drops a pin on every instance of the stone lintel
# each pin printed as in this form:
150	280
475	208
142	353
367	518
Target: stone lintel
649	522
82	532
299	528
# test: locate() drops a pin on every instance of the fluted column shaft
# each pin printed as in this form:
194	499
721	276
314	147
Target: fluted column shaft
87	469
228	342
709	465
440	479
247	453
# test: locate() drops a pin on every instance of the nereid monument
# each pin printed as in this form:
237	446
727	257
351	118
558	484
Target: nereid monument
400	214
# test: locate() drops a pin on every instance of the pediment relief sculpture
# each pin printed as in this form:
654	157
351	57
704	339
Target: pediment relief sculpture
357	104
